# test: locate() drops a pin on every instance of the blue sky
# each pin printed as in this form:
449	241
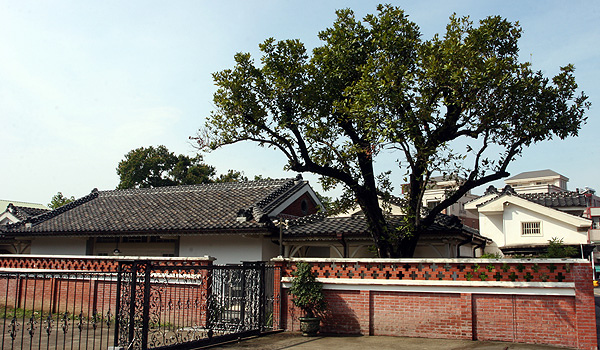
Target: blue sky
84	82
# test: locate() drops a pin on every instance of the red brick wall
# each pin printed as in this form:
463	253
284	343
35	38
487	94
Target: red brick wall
526	319
295	209
512	316
36	283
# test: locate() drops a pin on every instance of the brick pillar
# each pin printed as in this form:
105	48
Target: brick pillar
204	295
363	312
277	296
584	306
467	317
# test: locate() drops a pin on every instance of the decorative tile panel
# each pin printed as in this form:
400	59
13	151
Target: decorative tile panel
502	270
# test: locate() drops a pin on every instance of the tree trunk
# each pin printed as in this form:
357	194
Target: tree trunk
380	232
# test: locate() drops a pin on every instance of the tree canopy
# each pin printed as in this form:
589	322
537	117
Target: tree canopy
156	167
58	200
459	104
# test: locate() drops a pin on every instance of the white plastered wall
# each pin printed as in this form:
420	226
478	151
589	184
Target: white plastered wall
514	215
491	226
228	249
58	246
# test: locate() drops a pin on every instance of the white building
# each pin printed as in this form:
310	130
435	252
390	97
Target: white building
437	191
522	219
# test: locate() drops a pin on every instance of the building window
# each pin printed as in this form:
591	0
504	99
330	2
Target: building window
531	228
155	239
432	204
595	222
135	239
107	239
304	206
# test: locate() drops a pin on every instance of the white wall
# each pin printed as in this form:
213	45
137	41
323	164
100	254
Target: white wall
492	227
228	249
58	246
514	215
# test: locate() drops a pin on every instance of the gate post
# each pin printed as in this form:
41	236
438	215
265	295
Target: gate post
118	306
146	305
278	312
262	303
132	289
243	297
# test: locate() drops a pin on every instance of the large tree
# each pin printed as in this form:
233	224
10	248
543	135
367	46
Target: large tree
156	167
460	104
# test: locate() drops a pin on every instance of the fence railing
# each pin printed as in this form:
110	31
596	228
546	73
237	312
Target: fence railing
57	309
94	303
172	306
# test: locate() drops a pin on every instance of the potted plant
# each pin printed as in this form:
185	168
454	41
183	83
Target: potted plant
308	295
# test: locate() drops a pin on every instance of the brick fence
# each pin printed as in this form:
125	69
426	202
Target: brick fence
526	301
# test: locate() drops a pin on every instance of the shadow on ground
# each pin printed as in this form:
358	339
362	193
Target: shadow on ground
295	341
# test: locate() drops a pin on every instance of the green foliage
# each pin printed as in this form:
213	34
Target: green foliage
157	167
557	249
307	291
491	256
58	200
460	100
231	176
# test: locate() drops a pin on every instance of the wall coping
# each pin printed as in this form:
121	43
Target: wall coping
106	257
430	260
447	287
502	284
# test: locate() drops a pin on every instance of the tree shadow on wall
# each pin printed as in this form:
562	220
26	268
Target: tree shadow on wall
340	317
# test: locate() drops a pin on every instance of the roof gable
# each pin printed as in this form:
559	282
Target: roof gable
499	203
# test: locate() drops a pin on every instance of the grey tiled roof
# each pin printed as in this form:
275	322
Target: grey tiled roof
532	174
23	213
551	200
557	199
178	209
319	225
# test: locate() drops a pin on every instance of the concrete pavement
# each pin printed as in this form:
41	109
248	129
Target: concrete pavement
295	341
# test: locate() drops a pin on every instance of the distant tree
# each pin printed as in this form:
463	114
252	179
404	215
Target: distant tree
156	167
460	101
231	176
147	167
58	200
260	177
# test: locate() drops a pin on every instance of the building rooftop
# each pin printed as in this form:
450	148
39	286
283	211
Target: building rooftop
534	174
201	208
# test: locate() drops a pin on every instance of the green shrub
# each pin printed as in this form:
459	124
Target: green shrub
307	292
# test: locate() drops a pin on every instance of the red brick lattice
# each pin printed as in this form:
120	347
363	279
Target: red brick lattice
560	314
96	264
423	271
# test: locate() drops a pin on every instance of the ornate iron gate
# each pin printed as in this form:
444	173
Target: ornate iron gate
52	309
179	307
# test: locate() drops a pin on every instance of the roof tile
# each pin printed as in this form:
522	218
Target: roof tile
194	208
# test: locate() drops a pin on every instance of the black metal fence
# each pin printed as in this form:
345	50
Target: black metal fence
57	310
169	307
144	305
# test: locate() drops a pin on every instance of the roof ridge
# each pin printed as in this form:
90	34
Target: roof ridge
258	210
308	219
195	187
22	212
48	215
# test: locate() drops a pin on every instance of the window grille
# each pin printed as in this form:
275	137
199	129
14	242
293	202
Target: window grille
531	228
